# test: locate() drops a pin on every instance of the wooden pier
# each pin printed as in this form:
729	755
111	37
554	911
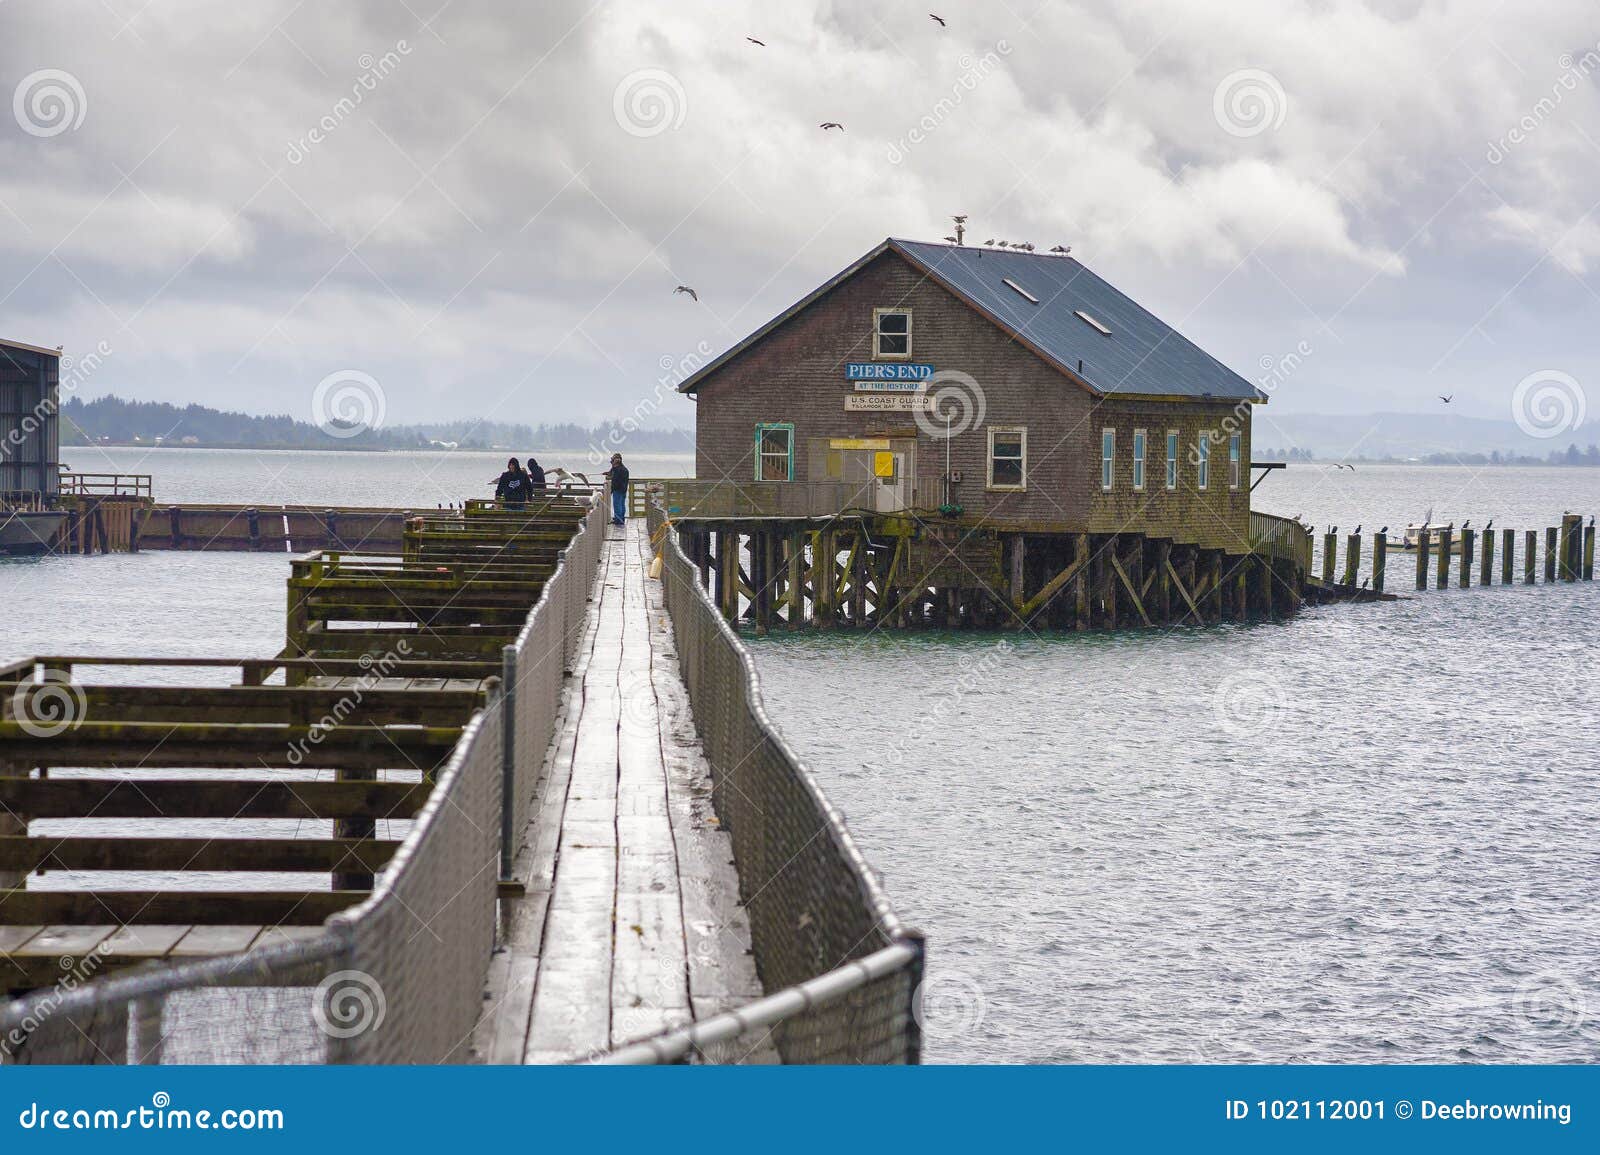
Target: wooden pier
631	923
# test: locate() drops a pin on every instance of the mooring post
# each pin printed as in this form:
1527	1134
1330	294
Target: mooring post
1486	574
1352	558
1380	559
1550	535
1588	551
1446	541
1330	550
1508	550
1468	536
1571	546
508	757
1424	547
1530	559
253	522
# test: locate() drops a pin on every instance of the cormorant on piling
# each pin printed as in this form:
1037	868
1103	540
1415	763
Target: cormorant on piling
1385	530
1357	529
1466	523
1490	526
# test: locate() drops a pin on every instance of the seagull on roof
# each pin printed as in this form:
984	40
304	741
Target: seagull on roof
687	289
1062	249
757	43
939	19
952	240
1027	245
990	241
827	124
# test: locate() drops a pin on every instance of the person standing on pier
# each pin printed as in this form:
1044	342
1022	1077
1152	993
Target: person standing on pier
618	476
536	482
512	486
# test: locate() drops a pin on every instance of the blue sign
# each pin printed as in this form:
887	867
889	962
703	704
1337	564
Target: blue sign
893	371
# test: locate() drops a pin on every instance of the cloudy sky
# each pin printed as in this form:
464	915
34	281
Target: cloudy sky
485	208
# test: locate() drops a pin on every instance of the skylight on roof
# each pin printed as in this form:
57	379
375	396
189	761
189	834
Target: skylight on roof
1010	284
1088	320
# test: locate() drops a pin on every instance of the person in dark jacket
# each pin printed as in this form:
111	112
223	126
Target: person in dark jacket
618	476
536	480
513	486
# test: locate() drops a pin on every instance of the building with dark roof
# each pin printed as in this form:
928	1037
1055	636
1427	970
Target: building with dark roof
1010	390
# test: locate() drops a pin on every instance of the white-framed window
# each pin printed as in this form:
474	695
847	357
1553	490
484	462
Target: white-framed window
1172	459
1139	444
1008	457
1235	460
775	452
1202	461
1108	457
891	334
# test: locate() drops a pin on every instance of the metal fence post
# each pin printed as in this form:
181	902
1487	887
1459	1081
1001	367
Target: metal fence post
508	756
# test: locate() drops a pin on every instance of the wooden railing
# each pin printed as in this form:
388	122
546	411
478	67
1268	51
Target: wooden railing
1280	537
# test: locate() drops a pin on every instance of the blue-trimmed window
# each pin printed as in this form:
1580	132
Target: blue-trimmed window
1140	438
1235	460
775	452
1108	457
1172	459
1202	466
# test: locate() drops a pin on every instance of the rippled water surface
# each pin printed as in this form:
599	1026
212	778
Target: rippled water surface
1370	834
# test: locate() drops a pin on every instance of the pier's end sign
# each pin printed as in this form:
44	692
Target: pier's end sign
872	376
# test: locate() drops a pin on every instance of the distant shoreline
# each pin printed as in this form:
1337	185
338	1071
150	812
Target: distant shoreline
282	448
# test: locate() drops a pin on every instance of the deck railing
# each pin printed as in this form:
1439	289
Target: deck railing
1280	537
827	941
396	979
134	485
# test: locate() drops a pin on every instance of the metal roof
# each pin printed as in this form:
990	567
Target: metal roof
1141	355
30	348
1056	308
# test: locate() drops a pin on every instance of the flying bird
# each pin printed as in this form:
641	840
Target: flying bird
687	289
938	19
827	124
1445	399
757	43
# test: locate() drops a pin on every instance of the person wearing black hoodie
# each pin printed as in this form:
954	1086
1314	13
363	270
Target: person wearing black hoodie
536	480
513	486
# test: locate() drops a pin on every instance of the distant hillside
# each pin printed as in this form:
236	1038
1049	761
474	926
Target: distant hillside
1443	437
114	420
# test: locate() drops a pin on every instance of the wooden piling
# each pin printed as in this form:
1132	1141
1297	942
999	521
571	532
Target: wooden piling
1352	558
1446	540
1486	573
1571	546
1530	559
797	580
1550	547
1468	538
1380	559
1588	551
1080	583
1424	548
1508	561
1330	550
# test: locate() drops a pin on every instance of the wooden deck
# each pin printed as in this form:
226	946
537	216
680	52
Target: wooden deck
631	923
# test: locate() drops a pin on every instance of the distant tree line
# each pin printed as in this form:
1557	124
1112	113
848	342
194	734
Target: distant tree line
1571	455
115	420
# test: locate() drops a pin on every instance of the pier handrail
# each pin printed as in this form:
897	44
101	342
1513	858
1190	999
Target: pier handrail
844	969
136	485
1280	537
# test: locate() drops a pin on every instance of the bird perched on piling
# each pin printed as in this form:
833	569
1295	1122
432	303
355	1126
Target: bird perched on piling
1385	529
1490	526
1357	529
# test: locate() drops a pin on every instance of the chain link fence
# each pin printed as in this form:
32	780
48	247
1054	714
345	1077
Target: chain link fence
826	938
396	979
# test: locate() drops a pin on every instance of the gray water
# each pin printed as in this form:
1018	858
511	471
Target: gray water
1369	834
